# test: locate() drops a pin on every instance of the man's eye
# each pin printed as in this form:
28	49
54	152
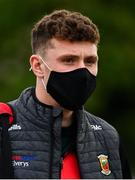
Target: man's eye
89	63
68	61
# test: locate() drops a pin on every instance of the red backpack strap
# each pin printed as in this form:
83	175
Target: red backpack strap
6	109
6	120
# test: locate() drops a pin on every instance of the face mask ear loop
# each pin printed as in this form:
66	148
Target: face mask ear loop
43	83
48	73
45	63
30	69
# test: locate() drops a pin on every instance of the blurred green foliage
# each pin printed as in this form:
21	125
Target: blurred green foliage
114	97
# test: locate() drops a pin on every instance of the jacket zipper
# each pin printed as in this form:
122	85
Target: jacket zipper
61	166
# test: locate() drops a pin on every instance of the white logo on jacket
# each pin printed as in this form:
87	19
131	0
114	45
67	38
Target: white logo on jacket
96	127
15	127
20	163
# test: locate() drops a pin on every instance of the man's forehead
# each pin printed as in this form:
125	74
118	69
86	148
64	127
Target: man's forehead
75	48
53	43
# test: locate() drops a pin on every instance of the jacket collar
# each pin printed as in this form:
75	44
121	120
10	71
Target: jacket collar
35	111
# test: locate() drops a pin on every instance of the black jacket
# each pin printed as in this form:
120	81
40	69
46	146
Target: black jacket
36	141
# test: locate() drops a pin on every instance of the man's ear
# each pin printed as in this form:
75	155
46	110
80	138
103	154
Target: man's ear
36	65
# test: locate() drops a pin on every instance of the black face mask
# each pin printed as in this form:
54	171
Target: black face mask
71	89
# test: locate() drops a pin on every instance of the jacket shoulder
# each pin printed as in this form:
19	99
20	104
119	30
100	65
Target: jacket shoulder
95	120
101	126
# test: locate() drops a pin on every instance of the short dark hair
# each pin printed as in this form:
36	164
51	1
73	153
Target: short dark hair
64	25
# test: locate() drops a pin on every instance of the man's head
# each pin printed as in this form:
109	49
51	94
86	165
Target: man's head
63	25
65	41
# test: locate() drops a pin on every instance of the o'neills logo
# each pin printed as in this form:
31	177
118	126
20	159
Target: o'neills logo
15	127
104	164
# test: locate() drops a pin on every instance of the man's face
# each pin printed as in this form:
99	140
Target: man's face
63	56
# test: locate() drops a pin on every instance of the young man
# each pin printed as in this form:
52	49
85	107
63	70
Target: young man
53	136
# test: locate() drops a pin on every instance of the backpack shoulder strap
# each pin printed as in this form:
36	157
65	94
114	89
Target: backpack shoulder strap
6	109
6	120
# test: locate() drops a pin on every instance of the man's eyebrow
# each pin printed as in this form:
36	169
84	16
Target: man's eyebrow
69	56
92	57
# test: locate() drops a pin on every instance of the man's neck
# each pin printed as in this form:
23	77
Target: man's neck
44	97
67	118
